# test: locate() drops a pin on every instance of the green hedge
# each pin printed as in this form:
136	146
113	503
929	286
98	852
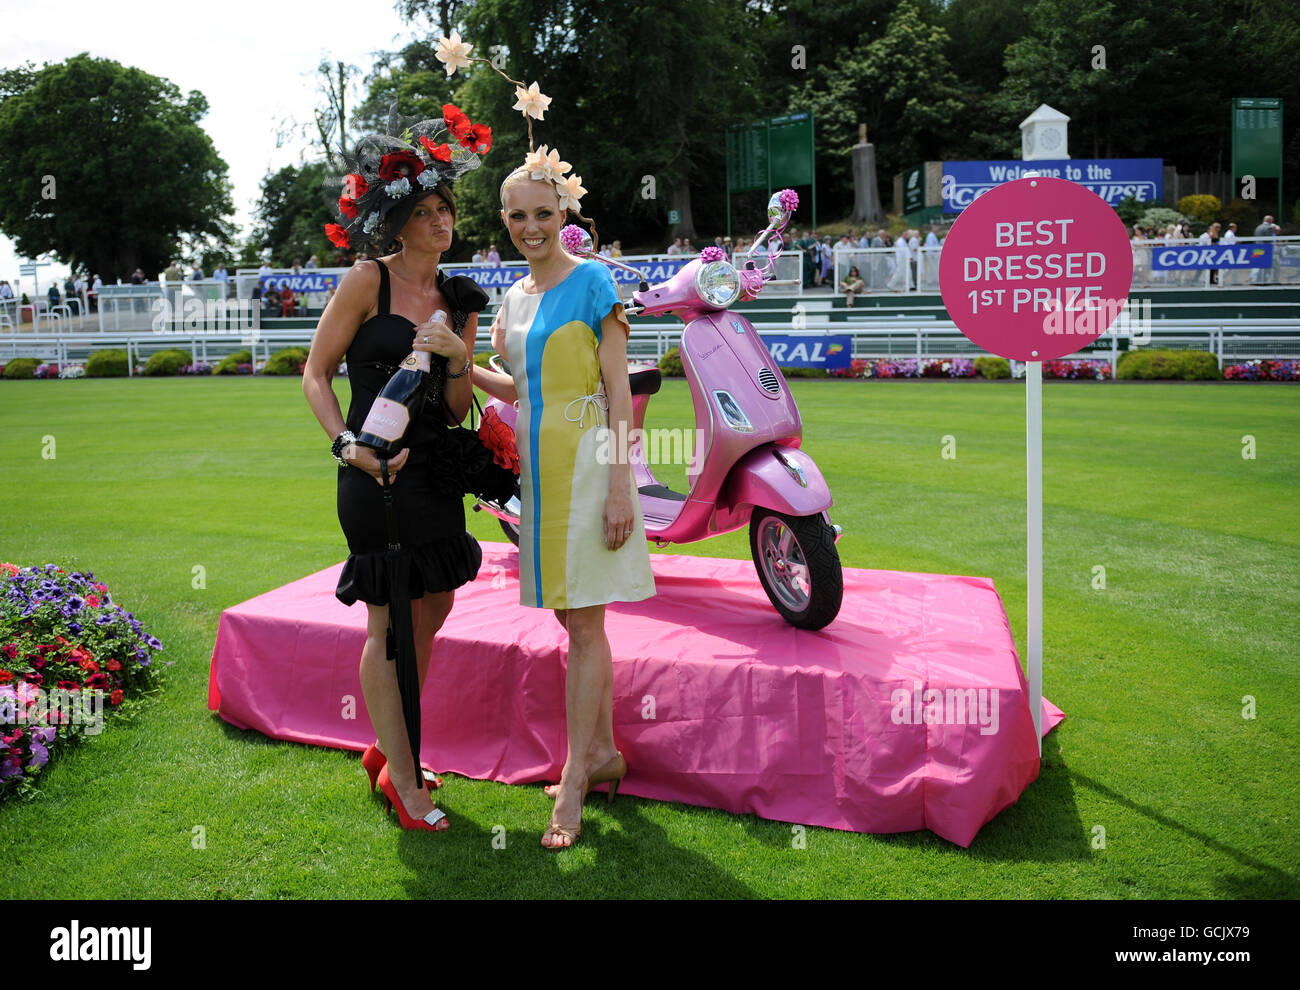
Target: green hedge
167	362
992	367
1158	363
229	365
106	364
21	368
804	372
670	365
288	361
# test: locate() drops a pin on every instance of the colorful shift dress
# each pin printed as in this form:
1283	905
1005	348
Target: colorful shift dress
564	446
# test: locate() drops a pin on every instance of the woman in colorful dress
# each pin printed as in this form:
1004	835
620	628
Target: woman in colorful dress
582	542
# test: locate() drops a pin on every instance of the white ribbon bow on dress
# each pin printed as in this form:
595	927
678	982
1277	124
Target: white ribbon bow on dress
596	399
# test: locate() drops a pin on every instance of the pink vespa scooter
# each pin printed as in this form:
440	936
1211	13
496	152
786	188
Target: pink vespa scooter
748	468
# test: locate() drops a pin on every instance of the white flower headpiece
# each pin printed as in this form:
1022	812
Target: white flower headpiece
542	164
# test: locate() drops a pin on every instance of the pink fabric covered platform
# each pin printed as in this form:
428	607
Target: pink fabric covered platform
717	701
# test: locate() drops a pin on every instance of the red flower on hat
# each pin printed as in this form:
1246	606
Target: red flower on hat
478	138
348	207
338	236
400	164
455	120
354	187
439	152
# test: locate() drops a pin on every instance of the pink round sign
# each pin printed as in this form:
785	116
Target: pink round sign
1036	269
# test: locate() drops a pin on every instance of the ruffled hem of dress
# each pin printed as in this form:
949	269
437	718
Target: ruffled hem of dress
440	565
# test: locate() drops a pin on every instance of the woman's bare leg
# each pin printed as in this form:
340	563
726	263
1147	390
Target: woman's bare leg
383	701
603	747
587	679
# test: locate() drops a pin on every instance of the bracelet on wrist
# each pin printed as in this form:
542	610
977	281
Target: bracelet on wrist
341	443
463	371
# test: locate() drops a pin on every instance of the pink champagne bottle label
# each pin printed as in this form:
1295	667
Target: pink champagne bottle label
417	361
387	419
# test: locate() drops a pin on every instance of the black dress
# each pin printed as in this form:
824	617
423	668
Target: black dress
427	493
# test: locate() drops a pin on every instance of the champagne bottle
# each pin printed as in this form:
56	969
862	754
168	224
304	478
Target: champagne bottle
398	403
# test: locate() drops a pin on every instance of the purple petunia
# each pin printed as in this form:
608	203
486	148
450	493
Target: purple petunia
40	756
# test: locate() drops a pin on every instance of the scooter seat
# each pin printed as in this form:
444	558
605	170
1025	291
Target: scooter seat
645	382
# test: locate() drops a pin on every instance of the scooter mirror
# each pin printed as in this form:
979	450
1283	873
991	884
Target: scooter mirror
584	244
776	213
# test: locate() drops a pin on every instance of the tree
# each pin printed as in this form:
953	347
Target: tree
898	84
1137	79
296	205
333	116
639	91
106	166
979	34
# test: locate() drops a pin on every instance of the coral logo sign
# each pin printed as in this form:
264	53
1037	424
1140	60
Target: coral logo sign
307	281
1036	269
830	351
1194	256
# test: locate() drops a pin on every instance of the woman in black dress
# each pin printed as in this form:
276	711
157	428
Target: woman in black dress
379	314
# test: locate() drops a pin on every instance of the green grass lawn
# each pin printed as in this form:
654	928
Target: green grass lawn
1200	549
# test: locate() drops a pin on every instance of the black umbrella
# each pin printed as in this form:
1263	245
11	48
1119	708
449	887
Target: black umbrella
401	633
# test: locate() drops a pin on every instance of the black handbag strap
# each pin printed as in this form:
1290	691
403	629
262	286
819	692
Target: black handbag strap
394	542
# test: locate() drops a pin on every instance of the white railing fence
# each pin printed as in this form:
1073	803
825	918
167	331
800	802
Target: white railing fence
1230	341
880	272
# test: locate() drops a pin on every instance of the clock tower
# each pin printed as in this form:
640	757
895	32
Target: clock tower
1043	135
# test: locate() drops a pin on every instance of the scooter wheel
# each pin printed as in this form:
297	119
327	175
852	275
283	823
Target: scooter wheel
798	566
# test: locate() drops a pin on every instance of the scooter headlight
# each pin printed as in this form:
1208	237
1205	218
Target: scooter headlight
732	414
718	284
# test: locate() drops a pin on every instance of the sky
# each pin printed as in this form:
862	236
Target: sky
255	63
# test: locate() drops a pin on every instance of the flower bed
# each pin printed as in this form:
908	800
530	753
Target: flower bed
907	368
1263	371
1075	369
69	657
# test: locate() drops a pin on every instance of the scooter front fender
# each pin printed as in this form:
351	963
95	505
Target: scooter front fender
782	478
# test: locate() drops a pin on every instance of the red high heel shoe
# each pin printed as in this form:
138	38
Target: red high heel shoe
373	761
434	821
